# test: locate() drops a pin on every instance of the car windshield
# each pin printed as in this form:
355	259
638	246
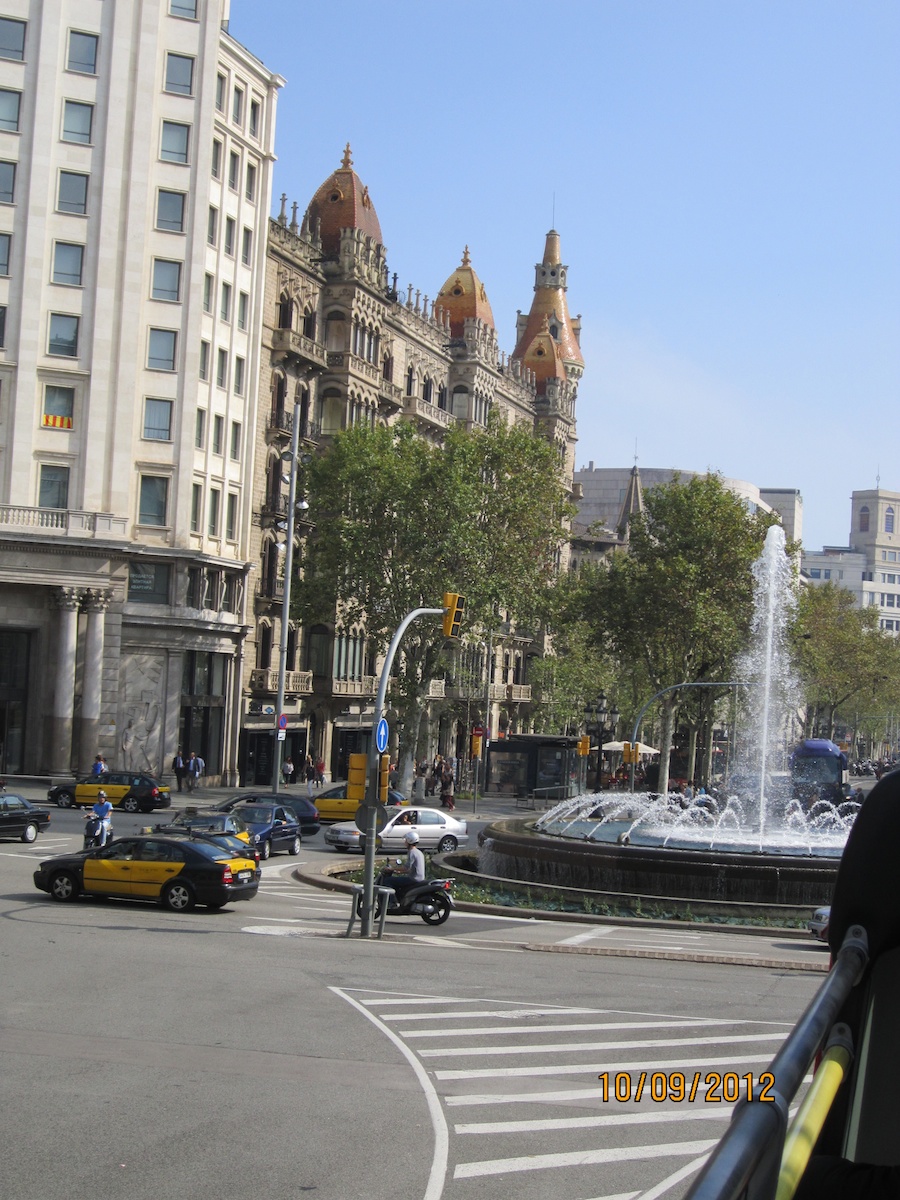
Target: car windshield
257	814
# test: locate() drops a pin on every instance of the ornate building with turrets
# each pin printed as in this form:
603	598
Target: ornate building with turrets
344	344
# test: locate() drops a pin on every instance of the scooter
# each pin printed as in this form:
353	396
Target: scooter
430	900
93	831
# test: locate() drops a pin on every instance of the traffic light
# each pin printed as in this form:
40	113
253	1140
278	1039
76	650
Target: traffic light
454	607
384	769
356	778
628	756
584	746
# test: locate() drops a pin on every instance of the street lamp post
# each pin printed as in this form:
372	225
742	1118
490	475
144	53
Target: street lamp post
595	717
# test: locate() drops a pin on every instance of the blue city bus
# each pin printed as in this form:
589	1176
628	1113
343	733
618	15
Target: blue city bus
819	771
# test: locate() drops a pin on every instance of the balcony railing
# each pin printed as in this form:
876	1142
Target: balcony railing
288	341
366	686
62	522
265	679
520	692
436	689
283	422
429	413
270	590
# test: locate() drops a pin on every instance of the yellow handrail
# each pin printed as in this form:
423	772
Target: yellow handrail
807	1125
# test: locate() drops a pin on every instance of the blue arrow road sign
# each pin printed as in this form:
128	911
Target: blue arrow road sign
381	736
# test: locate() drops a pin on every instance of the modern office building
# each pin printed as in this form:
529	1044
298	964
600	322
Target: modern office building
136	152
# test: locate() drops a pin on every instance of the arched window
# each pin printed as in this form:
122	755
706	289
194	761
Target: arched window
387	370
264	647
317	657
273	483
309	325
460	402
410	382
335	332
427	390
889	519
864	519
279	391
285	312
442	397
271	568
332	411
291	664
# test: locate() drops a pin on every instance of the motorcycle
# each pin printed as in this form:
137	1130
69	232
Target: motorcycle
431	900
93	832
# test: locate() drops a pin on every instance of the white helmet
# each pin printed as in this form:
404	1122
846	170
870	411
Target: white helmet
410	837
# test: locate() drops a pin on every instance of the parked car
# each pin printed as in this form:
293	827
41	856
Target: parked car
208	821
304	810
20	819
219	837
437	830
132	791
818	923
275	827
177	872
334	804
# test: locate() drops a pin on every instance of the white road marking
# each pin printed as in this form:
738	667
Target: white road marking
580	1047
567	1028
510	1014
676	1064
599	1122
578	1158
588	935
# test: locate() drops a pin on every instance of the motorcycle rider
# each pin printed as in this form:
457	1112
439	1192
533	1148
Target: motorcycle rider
414	874
103	809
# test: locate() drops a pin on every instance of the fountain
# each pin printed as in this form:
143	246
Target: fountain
750	847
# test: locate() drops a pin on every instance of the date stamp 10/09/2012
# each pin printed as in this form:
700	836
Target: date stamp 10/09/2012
713	1088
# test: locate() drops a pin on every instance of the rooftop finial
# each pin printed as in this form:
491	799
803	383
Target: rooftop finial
347	160
466	261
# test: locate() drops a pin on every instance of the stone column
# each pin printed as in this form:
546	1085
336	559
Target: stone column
95	602
66	601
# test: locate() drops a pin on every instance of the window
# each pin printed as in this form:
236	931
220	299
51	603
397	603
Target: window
161	354
218	433
826	574
166	279
5	243
82	56
222	368
68	260
183	8
254	118
238	376
208	282
7	182
158	420
9	110
237	106
59	407
212	525
148	583
231	516
77	122
250	191
2	326
235	441
229	236
196	506
153	500
243	302
204	360
63	335
212	225
815	573
175	142
889	519
217	160
179	74
225	310
234	170
71	194
246	246
12	39
200	427
169	211
220	93
864	519
54	487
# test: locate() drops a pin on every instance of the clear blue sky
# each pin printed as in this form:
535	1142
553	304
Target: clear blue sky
726	176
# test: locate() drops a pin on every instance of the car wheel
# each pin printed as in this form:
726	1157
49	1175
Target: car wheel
130	804
30	832
63	886
441	912
179	897
265	850
65	800
294	847
447	844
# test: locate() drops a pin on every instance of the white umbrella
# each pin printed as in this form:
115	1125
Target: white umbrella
642	747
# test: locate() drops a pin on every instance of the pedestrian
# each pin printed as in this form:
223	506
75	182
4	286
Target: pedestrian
447	789
320	772
192	771
287	771
99	767
310	771
179	768
201	765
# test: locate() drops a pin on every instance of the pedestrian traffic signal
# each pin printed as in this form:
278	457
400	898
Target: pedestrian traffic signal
454	607
356	778
384	772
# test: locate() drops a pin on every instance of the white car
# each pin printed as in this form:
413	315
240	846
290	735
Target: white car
437	830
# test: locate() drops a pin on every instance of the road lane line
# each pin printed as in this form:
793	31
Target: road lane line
677	1064
497	1012
579	1158
489	1128
581	1047
567	1028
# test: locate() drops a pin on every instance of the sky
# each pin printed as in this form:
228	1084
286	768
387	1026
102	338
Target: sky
724	176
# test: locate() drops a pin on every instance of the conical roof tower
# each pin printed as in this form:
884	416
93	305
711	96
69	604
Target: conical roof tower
342	202
549	313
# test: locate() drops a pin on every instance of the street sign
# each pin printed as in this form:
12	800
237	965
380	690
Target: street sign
381	736
362	817
282	721
477	731
282	735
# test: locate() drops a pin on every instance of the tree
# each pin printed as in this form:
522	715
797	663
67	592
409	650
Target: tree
399	520
677	605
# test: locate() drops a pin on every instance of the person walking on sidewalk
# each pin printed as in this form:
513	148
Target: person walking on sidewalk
447	788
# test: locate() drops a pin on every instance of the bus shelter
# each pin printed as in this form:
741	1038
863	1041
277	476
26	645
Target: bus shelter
536	765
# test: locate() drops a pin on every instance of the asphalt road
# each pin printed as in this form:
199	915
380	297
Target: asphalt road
257	1051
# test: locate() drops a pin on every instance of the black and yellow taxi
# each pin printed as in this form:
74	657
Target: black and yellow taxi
132	791
177	872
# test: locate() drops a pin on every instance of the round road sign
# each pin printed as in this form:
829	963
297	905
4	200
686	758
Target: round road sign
381	736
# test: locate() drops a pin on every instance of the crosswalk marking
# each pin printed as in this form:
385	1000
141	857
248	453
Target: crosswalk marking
604	1121
581	1047
567	1028
579	1158
676	1064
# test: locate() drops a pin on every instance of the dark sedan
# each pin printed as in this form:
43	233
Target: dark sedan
20	819
275	827
304	810
173	871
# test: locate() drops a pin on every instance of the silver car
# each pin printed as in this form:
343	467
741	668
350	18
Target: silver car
437	830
